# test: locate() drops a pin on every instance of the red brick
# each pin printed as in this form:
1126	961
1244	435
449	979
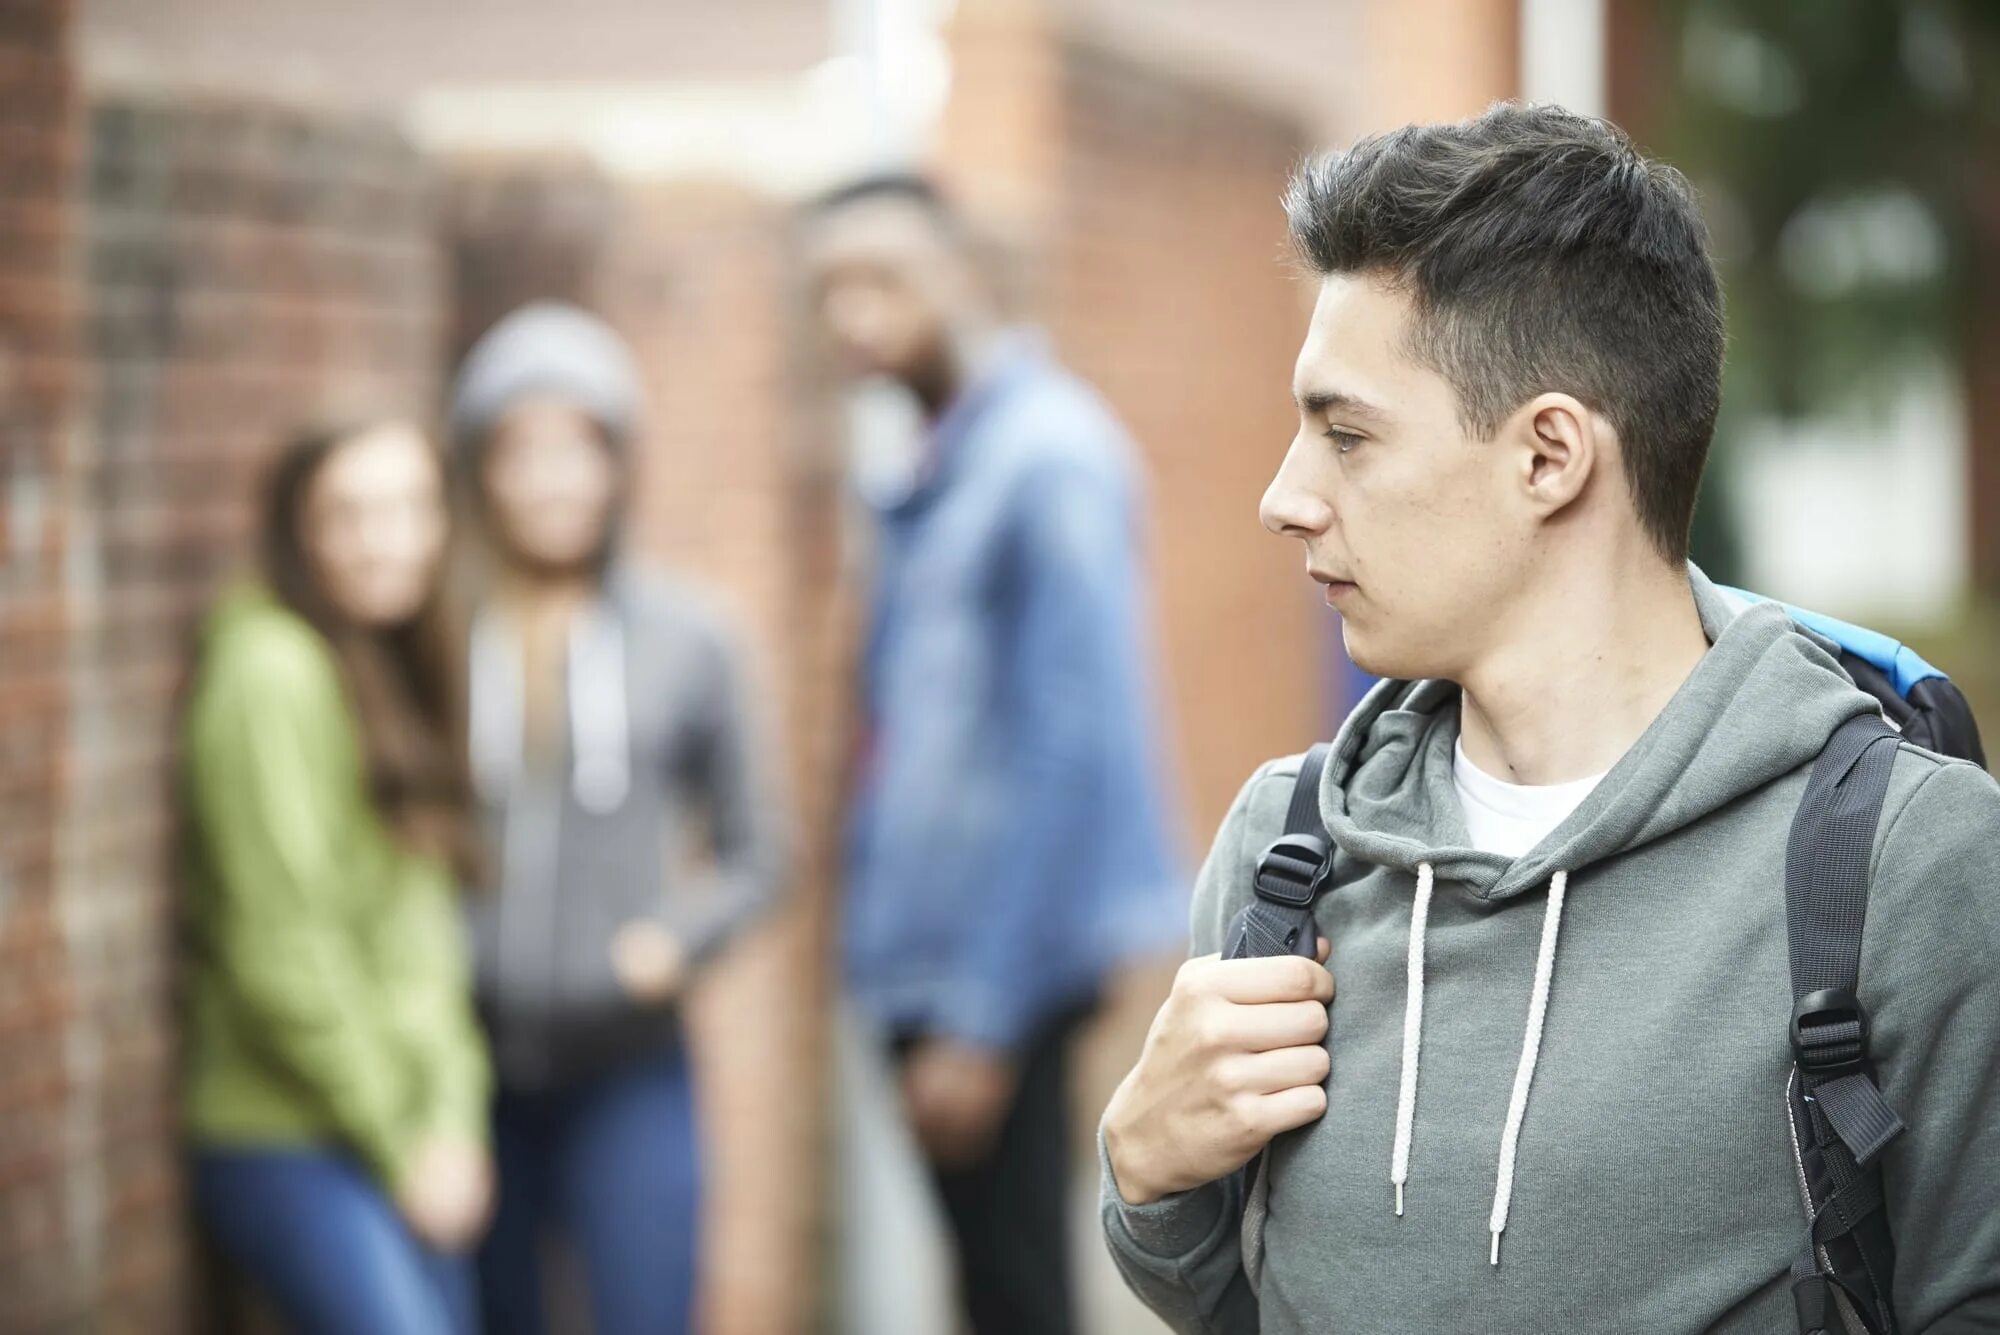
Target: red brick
271	304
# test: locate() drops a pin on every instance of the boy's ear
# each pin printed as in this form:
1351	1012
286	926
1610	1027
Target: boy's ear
1559	439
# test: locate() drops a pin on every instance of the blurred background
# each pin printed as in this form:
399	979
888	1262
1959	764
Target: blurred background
216	213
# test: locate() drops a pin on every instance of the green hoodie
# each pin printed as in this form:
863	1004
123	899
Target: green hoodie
1651	1184
328	993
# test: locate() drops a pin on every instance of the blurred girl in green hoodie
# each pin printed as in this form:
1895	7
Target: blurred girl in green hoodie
336	1083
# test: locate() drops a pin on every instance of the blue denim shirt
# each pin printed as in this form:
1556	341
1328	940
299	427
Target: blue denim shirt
1010	839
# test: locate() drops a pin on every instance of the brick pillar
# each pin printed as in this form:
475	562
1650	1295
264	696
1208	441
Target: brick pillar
43	1279
1638	82
1434	60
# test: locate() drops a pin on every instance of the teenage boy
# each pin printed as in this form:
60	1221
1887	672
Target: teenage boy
1551	1092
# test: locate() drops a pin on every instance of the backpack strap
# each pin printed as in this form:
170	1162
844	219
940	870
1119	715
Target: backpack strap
1291	873
1278	920
1840	1121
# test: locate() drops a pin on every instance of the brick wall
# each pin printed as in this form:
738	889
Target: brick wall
233	266
39	383
240	263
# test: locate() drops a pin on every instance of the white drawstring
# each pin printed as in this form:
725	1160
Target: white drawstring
495	708
599	718
1531	1049
598	722
1413	1032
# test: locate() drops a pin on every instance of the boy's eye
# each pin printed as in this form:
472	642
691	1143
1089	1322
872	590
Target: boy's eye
1342	440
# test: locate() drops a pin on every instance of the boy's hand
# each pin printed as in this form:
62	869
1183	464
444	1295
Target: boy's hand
1233	1058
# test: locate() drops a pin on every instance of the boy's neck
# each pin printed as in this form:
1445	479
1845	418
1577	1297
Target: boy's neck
1595	654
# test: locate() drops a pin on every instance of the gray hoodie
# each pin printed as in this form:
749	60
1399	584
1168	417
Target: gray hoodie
1575	1062
659	807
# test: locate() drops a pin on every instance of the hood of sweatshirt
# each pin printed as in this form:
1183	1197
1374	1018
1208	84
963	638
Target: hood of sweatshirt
547	348
1760	703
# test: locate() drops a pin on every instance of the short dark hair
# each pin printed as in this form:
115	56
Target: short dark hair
1542	252
909	187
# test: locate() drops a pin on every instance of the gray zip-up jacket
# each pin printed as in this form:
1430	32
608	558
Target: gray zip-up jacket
1573	1064
660	808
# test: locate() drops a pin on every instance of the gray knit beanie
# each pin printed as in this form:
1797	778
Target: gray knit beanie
546	348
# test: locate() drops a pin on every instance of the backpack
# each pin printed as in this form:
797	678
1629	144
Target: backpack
1840	1123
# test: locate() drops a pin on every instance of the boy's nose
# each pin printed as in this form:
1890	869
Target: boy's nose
1290	509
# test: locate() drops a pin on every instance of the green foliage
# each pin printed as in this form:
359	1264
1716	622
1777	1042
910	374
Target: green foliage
1832	143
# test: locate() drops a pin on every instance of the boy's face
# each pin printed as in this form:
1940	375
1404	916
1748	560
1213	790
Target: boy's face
1420	533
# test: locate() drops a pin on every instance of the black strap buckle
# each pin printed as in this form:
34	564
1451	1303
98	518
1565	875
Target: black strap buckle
1292	870
1812	1295
1829	1033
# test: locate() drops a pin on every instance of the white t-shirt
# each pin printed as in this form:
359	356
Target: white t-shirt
1511	818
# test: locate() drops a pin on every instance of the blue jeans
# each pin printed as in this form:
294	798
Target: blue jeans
311	1230
608	1166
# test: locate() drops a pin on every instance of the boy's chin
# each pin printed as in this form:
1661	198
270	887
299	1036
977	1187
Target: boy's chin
1372	655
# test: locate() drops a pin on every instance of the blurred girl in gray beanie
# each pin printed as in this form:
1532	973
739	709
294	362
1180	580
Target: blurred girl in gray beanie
633	832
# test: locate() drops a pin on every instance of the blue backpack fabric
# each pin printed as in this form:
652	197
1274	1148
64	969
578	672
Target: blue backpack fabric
1918	700
1840	1123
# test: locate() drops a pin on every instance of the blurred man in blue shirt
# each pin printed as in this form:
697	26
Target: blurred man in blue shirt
1009	839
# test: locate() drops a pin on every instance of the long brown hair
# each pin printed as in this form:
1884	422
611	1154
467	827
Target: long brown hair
402	682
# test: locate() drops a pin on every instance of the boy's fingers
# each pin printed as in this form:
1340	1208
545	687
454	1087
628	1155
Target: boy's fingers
1272	978
1281	1068
1289	1109
1276	1024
